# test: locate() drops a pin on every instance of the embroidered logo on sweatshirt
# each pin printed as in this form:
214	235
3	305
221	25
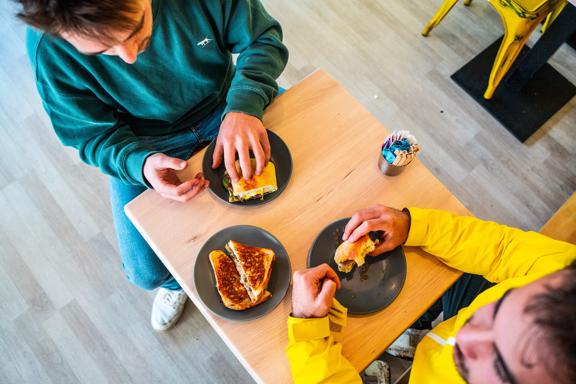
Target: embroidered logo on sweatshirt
204	42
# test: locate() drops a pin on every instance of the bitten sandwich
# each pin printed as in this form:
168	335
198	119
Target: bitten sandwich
254	188
242	276
349	254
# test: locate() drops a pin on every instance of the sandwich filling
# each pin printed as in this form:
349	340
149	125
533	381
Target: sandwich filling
242	276
254	188
349	254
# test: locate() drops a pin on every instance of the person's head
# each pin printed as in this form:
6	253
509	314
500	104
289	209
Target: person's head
110	27
528	336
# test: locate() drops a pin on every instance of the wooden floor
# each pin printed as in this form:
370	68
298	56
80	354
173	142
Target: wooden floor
68	315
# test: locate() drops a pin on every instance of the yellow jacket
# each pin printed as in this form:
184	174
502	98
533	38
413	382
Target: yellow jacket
503	255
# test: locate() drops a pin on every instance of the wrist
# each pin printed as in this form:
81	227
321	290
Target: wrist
302	314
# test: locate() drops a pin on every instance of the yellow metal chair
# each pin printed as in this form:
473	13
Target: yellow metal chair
520	18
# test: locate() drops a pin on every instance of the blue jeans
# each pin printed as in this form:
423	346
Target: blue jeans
141	265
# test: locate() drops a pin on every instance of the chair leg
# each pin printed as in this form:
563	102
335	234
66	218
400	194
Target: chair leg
516	32
552	16
443	11
467	2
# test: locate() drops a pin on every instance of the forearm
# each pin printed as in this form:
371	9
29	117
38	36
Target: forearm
314	355
495	251
118	153
257	38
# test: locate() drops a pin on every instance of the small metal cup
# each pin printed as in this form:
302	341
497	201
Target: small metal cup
387	168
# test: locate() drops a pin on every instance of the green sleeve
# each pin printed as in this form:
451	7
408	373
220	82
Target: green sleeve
84	122
495	251
253	34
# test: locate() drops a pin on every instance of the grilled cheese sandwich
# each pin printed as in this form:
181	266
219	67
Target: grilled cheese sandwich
242	276
254	188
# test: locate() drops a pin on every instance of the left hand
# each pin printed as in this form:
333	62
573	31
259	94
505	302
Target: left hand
241	133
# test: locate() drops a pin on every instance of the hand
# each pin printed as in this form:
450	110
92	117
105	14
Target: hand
240	133
313	291
394	223
160	171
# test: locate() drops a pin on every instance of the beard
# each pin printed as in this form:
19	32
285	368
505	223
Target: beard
460	364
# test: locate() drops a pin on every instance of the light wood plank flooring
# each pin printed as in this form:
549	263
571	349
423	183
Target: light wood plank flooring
67	315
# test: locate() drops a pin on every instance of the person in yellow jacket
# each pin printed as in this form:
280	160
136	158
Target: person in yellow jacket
521	330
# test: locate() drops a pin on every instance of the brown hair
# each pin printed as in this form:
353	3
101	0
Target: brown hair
554	314
96	19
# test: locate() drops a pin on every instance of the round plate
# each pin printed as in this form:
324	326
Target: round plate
280	156
250	235
369	288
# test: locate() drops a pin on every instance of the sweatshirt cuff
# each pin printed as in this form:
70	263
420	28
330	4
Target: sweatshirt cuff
308	329
135	166
418	227
249	101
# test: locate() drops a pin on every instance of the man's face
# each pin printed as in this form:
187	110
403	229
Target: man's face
500	344
131	43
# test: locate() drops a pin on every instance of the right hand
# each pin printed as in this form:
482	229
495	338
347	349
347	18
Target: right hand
160	171
394	223
313	291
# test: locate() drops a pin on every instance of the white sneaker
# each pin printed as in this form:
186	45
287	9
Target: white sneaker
167	308
378	372
405	345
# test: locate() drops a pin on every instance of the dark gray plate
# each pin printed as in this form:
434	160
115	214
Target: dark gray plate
250	235
369	288
279	155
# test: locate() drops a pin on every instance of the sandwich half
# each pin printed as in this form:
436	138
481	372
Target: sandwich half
231	290
254	188
349	254
254	265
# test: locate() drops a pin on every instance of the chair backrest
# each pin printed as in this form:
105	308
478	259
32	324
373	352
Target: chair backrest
562	225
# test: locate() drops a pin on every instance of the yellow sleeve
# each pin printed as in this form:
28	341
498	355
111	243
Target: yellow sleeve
492	250
314	355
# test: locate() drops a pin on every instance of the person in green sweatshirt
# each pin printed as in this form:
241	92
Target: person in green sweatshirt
136	86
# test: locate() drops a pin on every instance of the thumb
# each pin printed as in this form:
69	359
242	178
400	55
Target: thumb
327	292
383	247
167	162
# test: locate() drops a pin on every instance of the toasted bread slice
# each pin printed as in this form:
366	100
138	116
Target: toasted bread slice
349	254
257	186
231	290
254	265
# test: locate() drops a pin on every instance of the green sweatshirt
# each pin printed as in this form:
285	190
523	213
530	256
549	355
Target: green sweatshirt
101	105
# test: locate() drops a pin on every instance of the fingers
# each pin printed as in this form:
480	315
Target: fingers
327	292
365	227
217	155
265	143
331	274
162	161
259	155
358	218
384	246
185	191
230	161
245	162
324	272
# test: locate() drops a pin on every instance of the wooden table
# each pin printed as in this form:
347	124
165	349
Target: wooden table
334	143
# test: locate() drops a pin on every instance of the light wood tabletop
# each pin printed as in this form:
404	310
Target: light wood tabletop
334	144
